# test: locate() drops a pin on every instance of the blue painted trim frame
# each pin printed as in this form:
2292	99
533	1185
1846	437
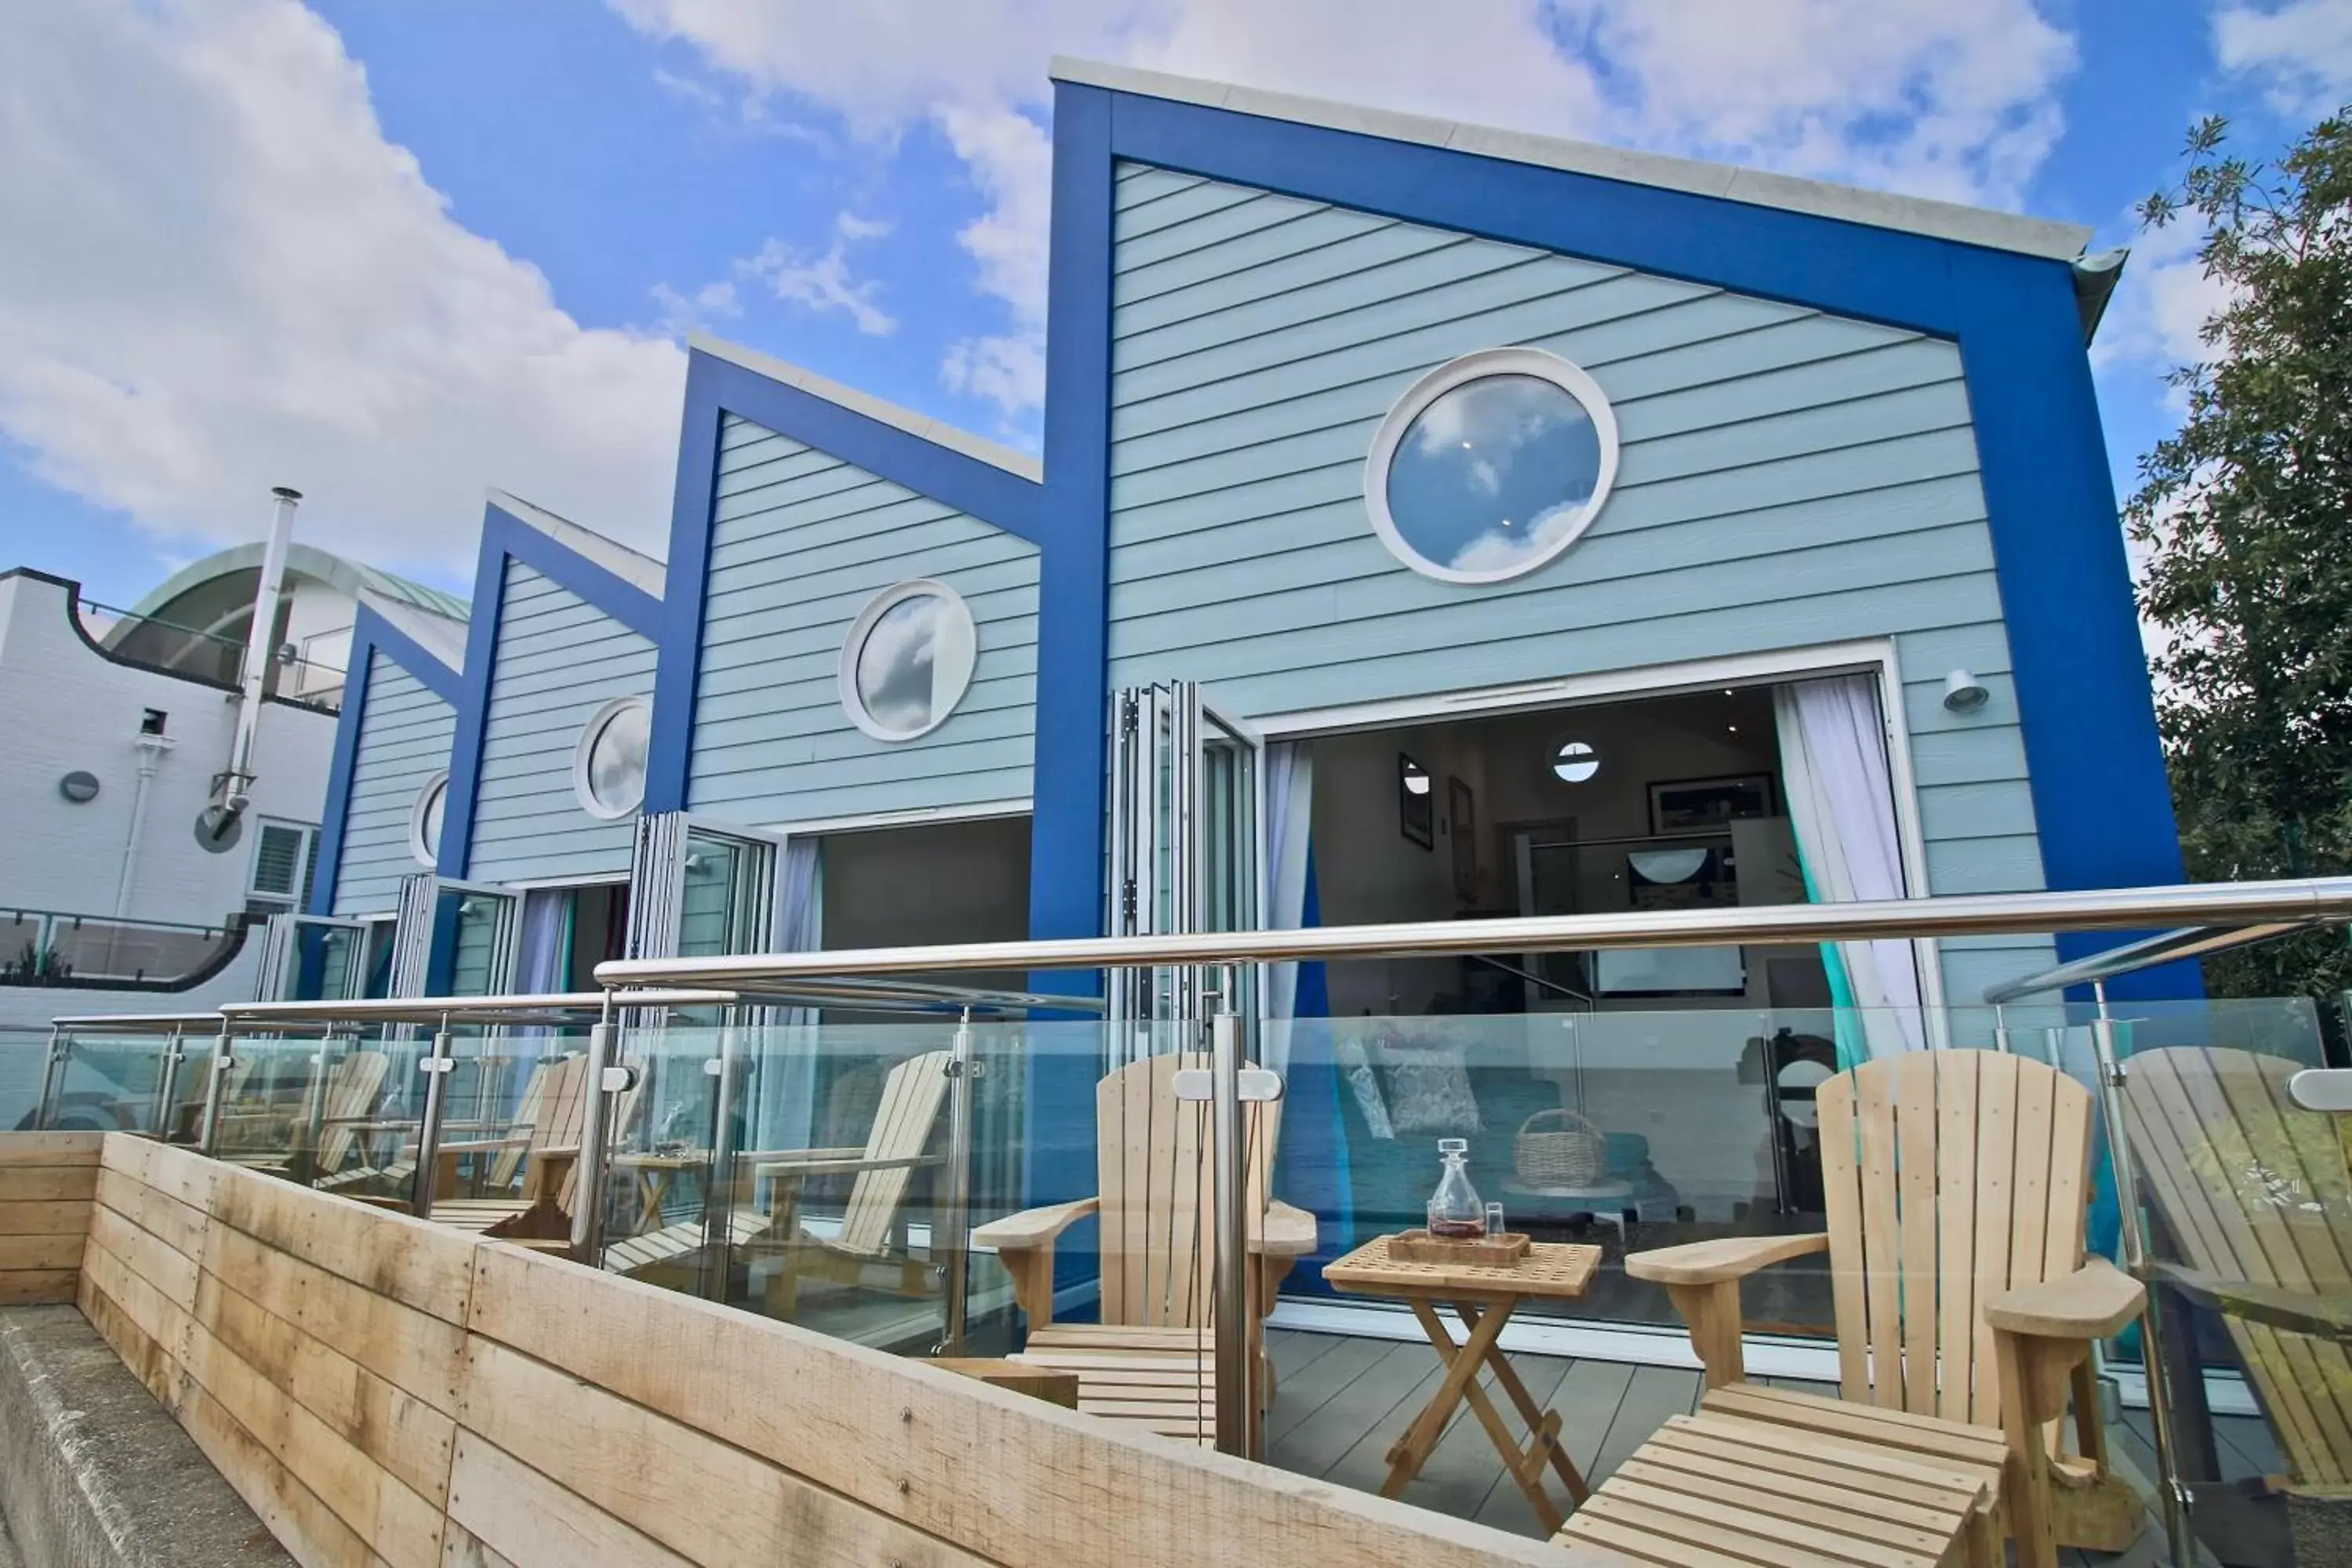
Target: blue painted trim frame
505	539
2102	801
717	387
371	635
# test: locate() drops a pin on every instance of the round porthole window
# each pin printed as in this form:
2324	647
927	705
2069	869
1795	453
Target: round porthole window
424	820
1573	762
608	766
1491	465
908	660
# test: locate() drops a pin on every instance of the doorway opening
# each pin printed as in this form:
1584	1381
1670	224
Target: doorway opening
1636	1098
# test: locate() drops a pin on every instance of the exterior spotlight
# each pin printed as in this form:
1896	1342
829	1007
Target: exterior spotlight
1963	693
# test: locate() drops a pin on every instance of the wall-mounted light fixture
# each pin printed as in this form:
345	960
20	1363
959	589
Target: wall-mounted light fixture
1963	693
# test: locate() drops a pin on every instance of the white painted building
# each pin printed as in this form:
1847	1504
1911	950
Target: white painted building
113	726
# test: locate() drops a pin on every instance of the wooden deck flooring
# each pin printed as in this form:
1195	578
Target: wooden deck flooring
1341	1400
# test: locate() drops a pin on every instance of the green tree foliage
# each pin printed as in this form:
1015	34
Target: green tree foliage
2247	511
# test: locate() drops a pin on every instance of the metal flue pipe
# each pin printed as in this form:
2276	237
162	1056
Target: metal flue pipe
233	792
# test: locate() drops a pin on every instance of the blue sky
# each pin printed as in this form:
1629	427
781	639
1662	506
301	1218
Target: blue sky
395	254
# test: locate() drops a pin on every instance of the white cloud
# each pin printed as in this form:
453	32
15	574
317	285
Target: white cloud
219	276
1920	96
822	284
684	313
2300	51
2158	315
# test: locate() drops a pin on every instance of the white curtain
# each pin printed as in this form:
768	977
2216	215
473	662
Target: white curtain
1289	812
542	966
1841	805
787	1048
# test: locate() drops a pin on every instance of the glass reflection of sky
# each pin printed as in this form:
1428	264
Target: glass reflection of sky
1491	476
429	829
897	663
616	761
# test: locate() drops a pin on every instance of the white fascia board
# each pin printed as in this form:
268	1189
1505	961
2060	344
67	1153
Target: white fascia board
629	566
1878	209
939	433
439	636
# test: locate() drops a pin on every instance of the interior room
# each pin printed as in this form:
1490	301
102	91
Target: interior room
1634	1098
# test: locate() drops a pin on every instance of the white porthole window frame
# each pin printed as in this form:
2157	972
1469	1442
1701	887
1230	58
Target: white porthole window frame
437	788
852	648
1570	378
584	755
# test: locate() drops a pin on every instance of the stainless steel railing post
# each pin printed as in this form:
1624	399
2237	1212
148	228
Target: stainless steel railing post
438	1067
951	1215
596	1138
1235	1370
224	1060
53	1079
718	1191
2173	1497
167	1080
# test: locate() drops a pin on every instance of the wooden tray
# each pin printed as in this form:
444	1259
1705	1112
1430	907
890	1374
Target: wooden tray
1502	1251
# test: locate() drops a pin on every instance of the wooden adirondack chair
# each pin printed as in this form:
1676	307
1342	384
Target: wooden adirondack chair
547	1151
512	1140
1148	1362
873	1226
272	1139
2253	1208
1955	1186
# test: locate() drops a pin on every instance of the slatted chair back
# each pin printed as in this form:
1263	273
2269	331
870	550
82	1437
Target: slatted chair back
1950	1176
1152	1160
912	1094
351	1094
2254	1188
531	1114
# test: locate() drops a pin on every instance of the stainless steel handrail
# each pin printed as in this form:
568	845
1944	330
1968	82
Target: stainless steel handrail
2208	905
138	1023
547	1008
2170	947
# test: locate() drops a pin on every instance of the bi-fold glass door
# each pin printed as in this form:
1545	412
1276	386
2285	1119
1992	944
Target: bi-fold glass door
314	958
1186	854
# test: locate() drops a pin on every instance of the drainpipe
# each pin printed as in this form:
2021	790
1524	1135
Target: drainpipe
233	789
151	757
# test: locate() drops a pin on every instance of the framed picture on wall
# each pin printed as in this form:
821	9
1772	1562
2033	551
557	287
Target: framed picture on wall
1462	822
1693	806
1416	811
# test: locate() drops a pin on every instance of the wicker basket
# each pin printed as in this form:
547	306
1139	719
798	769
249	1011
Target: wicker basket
1572	1155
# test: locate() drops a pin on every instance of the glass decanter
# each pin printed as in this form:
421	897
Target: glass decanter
1455	1211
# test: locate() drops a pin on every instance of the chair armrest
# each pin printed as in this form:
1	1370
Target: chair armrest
770	1170
795	1157
1715	1262
1288	1232
1032	1228
2297	1311
481	1145
2091	1303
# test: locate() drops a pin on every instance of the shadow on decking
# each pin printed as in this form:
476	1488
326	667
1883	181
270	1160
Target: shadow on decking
1341	1400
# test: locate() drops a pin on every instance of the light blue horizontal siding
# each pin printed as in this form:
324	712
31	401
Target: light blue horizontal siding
1787	478
559	658
404	735
800	545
